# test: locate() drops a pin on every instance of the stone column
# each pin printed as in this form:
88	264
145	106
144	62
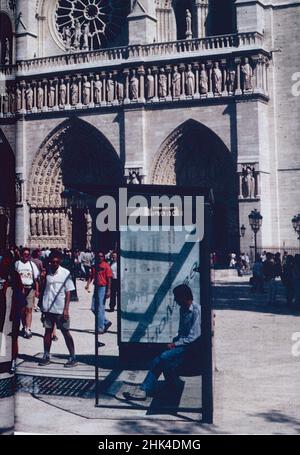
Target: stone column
238	76
141	73
201	17
33	85
223	65
182	72
22	212
91	80
169	75
103	77
196	69
68	106
23	89
126	74
56	103
155	73
45	84
79	79
210	93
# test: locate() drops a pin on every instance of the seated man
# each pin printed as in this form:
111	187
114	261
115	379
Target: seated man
170	361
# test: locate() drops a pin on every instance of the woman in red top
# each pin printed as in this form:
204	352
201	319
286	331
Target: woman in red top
101	275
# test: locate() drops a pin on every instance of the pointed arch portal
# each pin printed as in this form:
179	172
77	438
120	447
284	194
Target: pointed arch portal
193	155
74	153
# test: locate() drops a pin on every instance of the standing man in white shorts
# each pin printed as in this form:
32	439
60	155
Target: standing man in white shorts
29	274
56	308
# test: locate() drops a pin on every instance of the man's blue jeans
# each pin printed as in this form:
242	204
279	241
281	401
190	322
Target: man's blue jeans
100	292
167	363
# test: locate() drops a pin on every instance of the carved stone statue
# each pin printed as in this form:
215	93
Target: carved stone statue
217	78
50	223
12	102
62	224
6	52
231	76
110	88
89	229
77	35
29	98
33	225
248	182
56	222
39	223
247	75
18	98
74	93
86	92
149	85
62	93
5	103
19	189
97	90
45	223
203	80
134	86
67	37
188	34
134	177
86	35
51	95
190	81
120	90
176	83
163	82
40	96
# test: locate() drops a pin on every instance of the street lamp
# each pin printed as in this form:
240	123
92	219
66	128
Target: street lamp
255	221
296	225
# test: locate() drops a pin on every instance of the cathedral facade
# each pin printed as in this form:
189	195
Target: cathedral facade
176	92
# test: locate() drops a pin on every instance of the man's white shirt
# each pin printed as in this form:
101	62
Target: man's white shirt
57	285
28	272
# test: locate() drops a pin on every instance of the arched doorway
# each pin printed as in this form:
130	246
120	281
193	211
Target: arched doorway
75	153
7	193
193	155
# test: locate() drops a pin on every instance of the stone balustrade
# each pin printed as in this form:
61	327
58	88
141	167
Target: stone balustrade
123	54
199	79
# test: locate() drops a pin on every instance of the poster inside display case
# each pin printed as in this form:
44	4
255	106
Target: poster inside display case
152	265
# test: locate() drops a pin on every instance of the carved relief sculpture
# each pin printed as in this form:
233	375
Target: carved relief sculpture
40	96
217	78
176	83
110	88
134	86
163	81
149	85
39	223
6	52
29	98
248	182
97	90
203	80
67	37
120	90
51	95
231	76
33	225
86	35
50	223
56	223
77	35
247	75
45	223
74	93
19	98
62	93
190	81
188	34
86	91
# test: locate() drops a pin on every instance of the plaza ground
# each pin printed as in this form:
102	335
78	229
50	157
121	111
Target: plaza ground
256	378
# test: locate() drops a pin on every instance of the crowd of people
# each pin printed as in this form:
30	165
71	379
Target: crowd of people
43	281
269	269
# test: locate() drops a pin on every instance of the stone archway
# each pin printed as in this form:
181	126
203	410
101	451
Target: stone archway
74	153
193	155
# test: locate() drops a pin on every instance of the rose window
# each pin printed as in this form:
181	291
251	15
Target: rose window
90	24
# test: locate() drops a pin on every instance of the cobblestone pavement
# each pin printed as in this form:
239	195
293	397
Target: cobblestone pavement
256	382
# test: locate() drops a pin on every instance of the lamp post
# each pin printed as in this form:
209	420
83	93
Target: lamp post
296	225
255	221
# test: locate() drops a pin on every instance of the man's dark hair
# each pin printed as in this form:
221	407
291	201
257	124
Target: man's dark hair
25	249
55	254
183	292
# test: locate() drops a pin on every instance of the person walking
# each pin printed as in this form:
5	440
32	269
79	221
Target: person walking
29	274
169	362
114	282
269	271
56	308
101	276
287	279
